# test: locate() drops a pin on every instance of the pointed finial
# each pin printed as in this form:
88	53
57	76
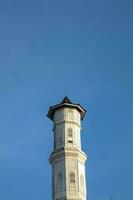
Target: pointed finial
66	100
65	92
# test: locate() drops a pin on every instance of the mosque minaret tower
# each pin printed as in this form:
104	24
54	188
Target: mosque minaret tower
67	159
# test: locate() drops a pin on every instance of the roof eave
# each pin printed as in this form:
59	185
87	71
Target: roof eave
58	106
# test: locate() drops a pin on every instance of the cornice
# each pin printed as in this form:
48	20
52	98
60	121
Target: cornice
65	152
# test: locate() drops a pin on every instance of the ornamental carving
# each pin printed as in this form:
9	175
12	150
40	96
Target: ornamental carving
72	178
69	114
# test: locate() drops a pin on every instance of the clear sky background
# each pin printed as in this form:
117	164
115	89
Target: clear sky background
83	47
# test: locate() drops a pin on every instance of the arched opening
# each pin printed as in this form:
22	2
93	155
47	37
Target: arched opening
70	135
72	178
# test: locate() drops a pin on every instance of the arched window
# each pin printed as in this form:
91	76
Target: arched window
70	132
82	181
72	178
60	179
70	135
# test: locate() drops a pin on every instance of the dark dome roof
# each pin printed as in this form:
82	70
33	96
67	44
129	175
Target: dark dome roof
66	100
65	103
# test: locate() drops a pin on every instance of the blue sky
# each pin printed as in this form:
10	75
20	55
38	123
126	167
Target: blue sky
48	48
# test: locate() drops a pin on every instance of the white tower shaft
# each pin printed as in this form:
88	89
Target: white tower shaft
67	158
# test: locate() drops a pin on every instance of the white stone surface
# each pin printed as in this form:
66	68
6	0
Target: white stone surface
67	159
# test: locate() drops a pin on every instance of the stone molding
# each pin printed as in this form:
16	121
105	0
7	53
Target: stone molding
64	152
64	122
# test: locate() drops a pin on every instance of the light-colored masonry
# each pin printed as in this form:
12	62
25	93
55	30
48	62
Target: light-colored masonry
67	158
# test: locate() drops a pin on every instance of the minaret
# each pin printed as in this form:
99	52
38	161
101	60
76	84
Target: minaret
67	158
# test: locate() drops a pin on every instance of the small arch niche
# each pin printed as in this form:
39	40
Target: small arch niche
59	179
70	135
70	132
72	178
